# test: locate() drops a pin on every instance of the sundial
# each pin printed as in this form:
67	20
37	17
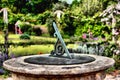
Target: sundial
60	55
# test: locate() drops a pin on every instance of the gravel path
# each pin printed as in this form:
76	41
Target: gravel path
110	77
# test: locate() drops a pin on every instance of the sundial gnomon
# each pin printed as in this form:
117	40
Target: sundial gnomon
60	46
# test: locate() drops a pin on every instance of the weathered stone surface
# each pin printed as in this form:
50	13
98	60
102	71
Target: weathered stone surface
87	71
100	75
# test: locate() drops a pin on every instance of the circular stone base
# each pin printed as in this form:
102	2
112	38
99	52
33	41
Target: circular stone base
94	70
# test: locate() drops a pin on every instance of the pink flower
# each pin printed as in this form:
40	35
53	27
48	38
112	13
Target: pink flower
84	36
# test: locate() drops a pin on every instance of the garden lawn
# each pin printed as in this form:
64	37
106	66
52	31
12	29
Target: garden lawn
15	39
36	45
33	49
30	50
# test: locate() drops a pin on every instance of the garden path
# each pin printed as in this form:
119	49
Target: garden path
111	77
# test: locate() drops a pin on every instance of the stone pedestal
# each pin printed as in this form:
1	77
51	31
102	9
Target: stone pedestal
94	70
100	75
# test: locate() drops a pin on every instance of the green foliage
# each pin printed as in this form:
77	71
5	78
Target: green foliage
87	7
39	6
60	6
77	19
74	39
111	69
112	50
106	3
41	18
91	23
26	28
24	36
109	50
117	61
28	6
1	25
66	24
49	23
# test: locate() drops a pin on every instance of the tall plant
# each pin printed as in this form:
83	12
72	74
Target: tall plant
89	7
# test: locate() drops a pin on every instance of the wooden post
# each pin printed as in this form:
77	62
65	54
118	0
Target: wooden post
5	19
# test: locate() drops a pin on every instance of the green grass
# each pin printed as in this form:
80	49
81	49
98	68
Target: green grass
30	50
39	44
33	49
14	38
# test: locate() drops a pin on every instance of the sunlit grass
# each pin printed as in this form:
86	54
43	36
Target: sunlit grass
33	49
29	50
15	38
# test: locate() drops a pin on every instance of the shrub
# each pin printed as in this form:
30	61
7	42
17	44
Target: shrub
24	36
26	27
